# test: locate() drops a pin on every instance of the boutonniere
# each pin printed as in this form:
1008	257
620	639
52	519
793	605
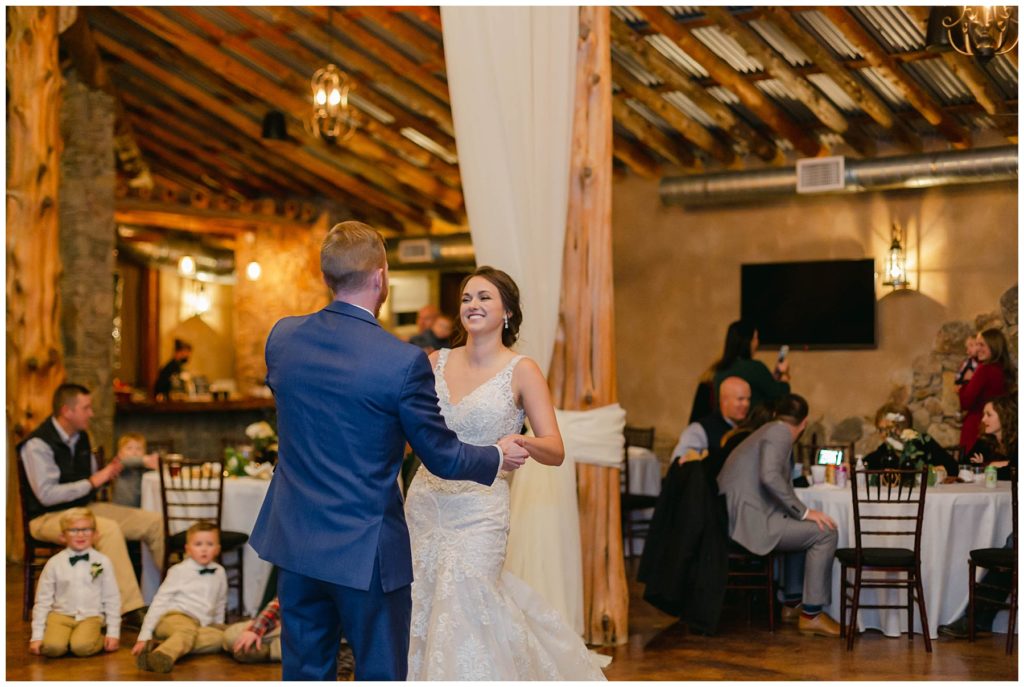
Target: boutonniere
95	570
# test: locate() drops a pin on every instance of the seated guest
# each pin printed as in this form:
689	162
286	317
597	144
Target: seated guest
893	421
436	337
257	640
994	377
192	598
700	437
765	514
737	361
131	452
998	446
733	438
76	595
62	473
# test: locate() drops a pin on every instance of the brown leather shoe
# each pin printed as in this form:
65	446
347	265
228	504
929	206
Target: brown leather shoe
790	614
142	660
820	625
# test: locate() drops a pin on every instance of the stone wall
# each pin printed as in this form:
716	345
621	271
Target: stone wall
290	284
87	236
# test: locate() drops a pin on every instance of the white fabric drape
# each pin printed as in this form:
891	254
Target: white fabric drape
511	77
594	436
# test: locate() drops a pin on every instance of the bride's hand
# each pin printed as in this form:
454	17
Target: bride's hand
514	455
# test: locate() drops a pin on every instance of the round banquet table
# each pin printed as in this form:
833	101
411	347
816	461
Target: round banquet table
957	519
243	497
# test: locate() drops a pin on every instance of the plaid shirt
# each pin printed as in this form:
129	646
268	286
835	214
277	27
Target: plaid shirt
268	618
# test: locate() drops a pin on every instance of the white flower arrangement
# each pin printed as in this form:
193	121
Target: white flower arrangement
260	430
910	434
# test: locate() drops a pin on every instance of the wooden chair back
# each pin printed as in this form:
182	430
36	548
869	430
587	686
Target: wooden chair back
878	499
191	489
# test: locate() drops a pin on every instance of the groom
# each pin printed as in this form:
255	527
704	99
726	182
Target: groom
349	395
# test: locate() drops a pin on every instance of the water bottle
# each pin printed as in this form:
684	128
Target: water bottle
858	468
841	475
990	477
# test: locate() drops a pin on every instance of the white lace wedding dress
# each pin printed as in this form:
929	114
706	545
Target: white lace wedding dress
470	619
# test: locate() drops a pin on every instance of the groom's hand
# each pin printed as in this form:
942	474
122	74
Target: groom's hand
513	454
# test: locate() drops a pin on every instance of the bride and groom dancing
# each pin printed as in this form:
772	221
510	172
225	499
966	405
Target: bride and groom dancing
349	396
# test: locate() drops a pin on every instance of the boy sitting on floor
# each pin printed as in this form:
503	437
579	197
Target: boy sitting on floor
191	598
76	590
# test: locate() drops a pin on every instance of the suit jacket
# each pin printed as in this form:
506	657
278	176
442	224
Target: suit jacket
756	483
349	395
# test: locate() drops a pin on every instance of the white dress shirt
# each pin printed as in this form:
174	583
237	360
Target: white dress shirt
76	591
44	475
187	590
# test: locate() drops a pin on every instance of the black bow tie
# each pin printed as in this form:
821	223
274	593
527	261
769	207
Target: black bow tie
207	571
80	557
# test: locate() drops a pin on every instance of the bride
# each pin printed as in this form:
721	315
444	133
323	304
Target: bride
470	619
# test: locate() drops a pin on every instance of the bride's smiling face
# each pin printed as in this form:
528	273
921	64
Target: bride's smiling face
481	310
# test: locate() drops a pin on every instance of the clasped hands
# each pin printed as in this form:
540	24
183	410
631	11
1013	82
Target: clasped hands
514	452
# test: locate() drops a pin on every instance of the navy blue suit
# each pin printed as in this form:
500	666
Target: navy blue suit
349	395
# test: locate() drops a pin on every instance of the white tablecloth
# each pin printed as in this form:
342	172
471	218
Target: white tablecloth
645	480
957	519
243	497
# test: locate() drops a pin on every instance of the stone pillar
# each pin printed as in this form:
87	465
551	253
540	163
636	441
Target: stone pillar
87	239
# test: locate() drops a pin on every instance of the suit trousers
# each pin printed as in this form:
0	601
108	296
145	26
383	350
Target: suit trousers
315	613
182	634
114	524
63	632
819	549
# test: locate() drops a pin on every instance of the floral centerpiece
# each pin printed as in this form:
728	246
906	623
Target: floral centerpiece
264	441
907	447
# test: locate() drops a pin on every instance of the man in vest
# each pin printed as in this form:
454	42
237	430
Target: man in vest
61	472
706	434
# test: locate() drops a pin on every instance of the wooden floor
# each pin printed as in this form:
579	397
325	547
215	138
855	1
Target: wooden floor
659	649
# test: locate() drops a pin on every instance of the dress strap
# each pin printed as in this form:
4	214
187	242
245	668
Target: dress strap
442	359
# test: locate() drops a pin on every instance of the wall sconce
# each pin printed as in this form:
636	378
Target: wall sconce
195	300
187	266
896	262
253	270
978	31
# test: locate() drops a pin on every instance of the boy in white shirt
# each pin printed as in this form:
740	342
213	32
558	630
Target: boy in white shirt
191	599
77	589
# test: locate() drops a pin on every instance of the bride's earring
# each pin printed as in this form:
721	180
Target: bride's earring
506	321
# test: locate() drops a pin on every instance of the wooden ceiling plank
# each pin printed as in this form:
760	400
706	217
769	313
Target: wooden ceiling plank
878	58
859	93
815	101
691	130
160	152
653	61
324	170
430	16
635	158
649	135
272	93
758	103
289	20
300	84
392	22
198	220
383	51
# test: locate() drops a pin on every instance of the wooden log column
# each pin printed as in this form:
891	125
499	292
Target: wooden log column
583	364
34	351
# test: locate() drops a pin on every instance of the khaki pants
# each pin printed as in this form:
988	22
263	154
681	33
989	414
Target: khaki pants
114	524
270	646
63	632
182	634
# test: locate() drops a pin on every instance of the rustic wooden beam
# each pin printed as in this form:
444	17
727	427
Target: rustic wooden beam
383	51
820	106
35	356
636	158
649	135
181	217
393	23
290	20
583	363
258	85
428	15
844	79
756	101
866	45
85	56
294	153
690	129
657	64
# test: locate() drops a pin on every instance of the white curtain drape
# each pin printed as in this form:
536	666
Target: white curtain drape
511	77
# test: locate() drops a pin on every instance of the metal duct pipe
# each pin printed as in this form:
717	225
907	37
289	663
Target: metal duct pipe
911	171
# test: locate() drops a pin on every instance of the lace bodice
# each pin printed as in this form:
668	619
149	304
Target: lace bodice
485	414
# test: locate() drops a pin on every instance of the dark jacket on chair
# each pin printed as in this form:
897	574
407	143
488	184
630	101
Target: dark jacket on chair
685	560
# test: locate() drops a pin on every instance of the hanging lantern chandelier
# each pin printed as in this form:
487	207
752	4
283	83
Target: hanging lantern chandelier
896	262
333	119
982	31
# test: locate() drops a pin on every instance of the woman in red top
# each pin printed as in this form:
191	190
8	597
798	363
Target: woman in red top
994	377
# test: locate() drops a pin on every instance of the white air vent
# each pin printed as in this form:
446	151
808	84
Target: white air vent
414	250
817	174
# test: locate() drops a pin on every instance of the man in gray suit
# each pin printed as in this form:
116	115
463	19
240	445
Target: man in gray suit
765	514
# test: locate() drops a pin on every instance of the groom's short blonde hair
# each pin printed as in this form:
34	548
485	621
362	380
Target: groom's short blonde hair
350	253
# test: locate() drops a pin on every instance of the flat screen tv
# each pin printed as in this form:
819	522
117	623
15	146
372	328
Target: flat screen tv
822	304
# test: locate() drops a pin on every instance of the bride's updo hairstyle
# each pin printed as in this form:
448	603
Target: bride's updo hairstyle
509	293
